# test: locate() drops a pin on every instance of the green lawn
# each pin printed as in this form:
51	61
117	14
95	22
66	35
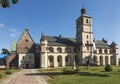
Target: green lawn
94	75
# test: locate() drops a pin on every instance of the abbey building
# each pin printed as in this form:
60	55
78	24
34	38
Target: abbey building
59	51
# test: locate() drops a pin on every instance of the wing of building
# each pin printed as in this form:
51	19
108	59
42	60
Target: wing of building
59	51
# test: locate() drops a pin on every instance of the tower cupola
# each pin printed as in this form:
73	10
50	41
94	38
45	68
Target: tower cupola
83	11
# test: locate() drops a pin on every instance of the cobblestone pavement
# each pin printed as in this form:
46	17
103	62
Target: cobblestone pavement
26	76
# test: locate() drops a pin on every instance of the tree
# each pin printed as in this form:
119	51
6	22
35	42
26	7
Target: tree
5	51
6	3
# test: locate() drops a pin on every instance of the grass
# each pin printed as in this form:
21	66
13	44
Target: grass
92	75
4	72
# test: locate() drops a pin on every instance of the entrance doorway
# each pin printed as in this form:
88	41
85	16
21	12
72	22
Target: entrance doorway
27	66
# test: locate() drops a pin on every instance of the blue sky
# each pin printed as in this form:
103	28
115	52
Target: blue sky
54	17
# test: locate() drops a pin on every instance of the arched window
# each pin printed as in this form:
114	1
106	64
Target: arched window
110	51
59	50
105	51
51	49
68	50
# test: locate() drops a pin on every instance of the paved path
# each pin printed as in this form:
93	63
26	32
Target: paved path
26	76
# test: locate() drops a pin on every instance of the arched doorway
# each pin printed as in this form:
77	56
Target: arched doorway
95	60
51	61
59	59
101	60
106	60
67	60
112	60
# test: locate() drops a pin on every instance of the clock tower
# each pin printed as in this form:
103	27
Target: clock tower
84	37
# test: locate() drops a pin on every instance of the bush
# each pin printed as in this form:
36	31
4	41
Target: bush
8	72
108	68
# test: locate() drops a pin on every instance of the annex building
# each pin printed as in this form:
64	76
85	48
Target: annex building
59	51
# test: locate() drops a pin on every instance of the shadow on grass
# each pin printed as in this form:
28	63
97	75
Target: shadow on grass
92	74
53	74
50	74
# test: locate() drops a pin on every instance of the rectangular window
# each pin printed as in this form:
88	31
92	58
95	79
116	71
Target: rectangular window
30	57
87	42
86	20
87	47
87	37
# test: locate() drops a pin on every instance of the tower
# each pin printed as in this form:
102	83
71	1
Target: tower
25	50
84	37
44	52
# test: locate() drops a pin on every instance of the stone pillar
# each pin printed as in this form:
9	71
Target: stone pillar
46	61
98	60
109	60
103	60
55	61
63	61
116	60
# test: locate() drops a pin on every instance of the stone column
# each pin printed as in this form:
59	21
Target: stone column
63	61
46	60
55	61
98	60
103	60
109	60
116	60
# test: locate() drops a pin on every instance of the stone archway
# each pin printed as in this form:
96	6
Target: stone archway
51	61
59	60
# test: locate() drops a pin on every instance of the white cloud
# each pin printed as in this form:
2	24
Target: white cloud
2	25
14	32
13	35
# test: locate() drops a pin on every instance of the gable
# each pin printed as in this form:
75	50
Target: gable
25	42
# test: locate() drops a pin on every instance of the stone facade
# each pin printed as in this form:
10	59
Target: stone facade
58	51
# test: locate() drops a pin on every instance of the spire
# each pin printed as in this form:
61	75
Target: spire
83	11
114	43
26	29
42	37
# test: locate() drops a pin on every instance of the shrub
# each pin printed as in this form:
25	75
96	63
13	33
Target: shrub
9	71
108	68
